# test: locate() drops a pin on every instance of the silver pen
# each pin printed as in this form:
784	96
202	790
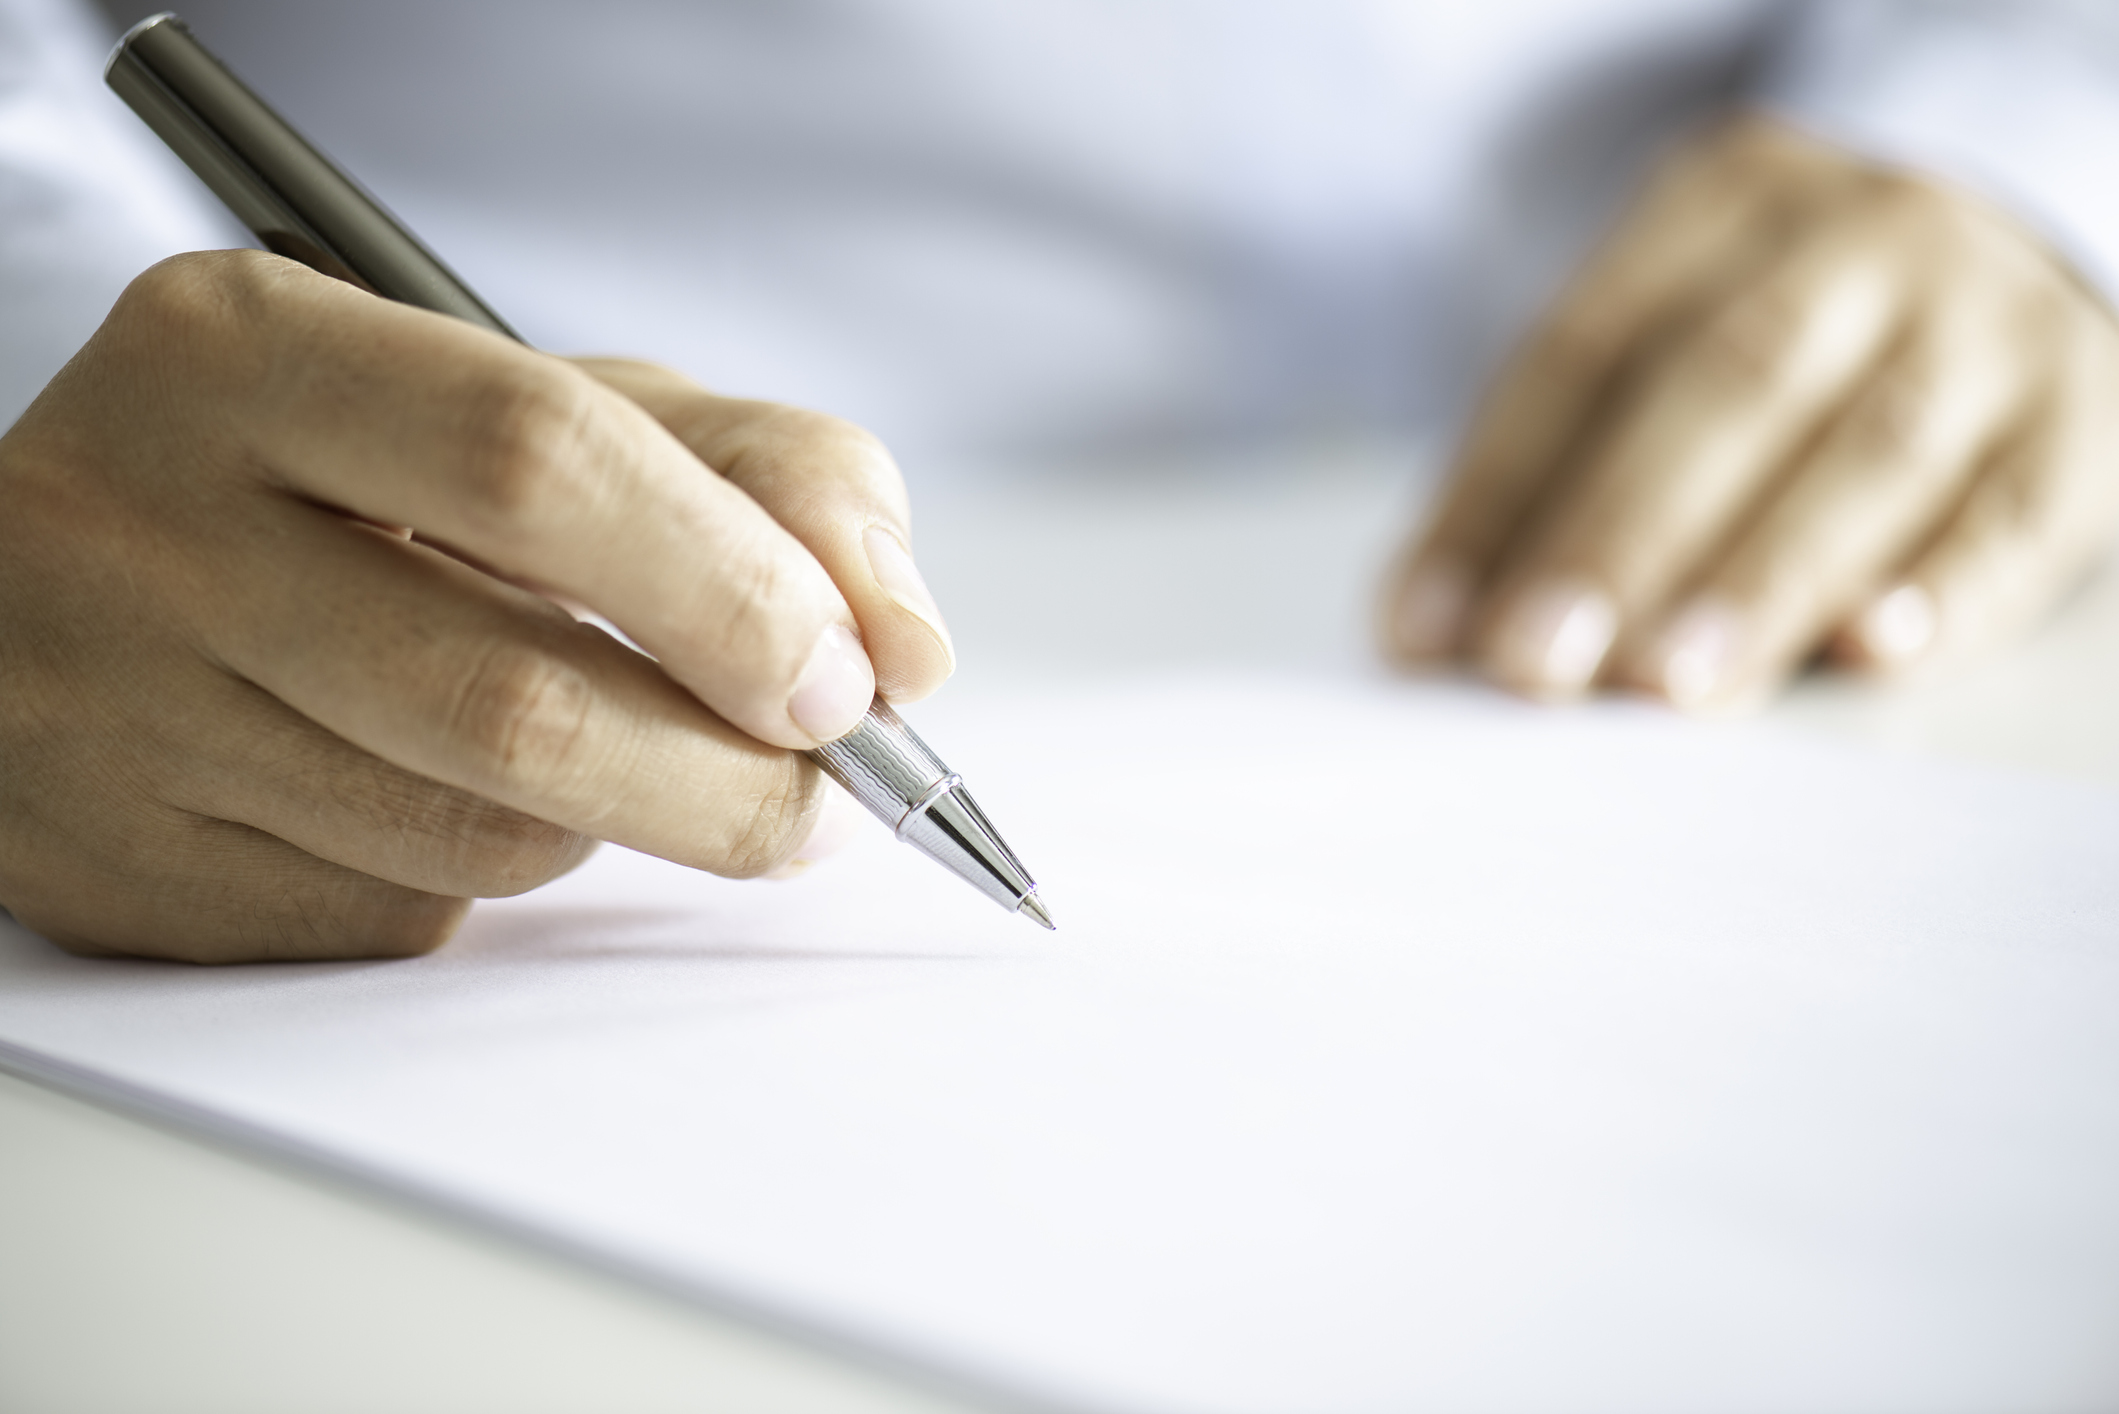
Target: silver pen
300	205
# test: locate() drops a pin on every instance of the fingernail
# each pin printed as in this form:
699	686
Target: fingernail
892	565
838	820
1553	638
835	688
1898	627
1696	652
1428	618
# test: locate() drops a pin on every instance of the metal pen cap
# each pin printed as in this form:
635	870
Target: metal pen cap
301	205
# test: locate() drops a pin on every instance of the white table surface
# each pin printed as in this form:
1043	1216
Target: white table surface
142	1269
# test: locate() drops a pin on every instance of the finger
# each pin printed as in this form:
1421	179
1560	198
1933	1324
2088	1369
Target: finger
2036	517
1888	467
232	752
214	892
530	467
835	488
1714	414
1711	215
449	674
840	821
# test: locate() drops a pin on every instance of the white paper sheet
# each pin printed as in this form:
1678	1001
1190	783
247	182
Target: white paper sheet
1446	1055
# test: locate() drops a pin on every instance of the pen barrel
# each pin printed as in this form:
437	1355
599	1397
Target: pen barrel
292	197
883	764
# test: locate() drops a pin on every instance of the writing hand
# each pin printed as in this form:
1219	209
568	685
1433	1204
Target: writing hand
248	714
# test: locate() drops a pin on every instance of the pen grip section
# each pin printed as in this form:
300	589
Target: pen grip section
883	764
899	780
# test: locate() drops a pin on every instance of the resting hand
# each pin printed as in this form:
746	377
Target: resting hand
246	714
1795	403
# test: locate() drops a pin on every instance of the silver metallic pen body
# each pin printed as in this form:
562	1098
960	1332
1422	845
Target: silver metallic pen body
300	205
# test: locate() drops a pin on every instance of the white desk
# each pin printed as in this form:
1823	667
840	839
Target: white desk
143	1270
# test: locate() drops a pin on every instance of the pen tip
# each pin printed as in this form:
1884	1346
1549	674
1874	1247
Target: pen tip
1034	907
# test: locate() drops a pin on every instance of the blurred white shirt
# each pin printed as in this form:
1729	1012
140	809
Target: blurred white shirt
1050	224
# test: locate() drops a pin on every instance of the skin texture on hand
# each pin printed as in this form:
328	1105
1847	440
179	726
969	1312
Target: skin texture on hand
284	677
1795	403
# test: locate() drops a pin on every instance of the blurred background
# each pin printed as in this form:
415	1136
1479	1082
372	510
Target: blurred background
1036	231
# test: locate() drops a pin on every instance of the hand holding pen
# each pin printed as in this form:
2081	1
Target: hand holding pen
270	721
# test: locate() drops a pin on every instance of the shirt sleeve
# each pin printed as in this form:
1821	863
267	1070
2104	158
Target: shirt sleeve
2017	100
88	196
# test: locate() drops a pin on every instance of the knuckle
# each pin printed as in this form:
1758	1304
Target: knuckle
187	295
760	831
528	434
204	320
793	449
1883	424
791	424
2034	492
750	596
491	851
848	439
458	843
521	716
1899	199
2012	507
1948	235
1747	344
173	303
